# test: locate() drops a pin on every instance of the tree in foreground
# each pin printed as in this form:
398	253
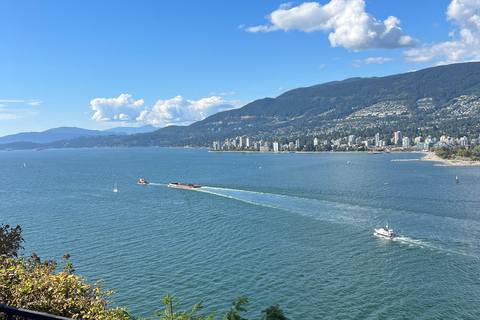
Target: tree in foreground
10	240
36	286
169	314
237	306
273	313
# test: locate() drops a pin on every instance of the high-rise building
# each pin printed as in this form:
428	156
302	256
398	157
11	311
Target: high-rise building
398	137
275	147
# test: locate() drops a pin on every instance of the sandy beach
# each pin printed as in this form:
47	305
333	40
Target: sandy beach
431	156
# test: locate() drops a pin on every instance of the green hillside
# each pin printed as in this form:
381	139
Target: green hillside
436	101
442	99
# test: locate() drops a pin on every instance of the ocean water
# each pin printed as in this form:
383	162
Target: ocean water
288	229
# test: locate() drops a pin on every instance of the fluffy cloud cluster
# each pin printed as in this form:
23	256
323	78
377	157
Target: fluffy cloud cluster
465	44
176	111
346	21
123	108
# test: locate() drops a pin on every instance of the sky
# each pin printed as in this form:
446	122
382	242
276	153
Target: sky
113	63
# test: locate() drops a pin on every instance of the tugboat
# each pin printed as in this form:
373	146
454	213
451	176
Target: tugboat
142	181
384	232
183	185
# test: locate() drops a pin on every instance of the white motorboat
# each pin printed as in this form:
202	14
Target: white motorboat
384	232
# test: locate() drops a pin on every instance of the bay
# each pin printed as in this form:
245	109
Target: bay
290	229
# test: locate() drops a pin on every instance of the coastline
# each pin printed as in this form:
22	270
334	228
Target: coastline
431	156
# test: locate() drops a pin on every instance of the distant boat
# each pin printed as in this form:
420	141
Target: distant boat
348	162
183	185
456	179
24	165
38	149
115	189
142	181
384	232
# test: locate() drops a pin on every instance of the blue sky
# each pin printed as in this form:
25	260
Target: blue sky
104	64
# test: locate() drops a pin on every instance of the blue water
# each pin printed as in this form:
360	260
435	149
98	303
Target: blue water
290	229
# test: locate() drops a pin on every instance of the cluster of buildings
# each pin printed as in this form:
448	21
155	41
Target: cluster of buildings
351	142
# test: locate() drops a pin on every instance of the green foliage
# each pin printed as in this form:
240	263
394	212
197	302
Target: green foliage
169	314
273	313
464	153
237	306
10	240
443	152
30	284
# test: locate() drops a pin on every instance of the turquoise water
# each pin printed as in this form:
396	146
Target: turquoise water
291	229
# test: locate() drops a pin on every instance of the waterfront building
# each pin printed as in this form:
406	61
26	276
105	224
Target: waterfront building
242	142
297	144
351	139
249	142
417	140
264	149
398	136
276	147
377	138
291	146
406	142
216	145
464	141
315	142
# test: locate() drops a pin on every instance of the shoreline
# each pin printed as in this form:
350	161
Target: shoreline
431	156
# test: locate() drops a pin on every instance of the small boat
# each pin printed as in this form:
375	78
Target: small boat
115	189
456	179
39	149
24	165
142	181
183	185
384	232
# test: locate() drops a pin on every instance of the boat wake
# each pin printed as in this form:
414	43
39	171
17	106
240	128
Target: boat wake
443	230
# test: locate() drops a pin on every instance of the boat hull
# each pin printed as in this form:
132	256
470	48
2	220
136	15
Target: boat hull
183	185
382	233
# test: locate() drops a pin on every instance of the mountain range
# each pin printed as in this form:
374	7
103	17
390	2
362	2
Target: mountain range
443	100
67	133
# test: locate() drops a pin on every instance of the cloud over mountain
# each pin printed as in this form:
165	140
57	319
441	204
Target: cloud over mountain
176	111
180	111
346	21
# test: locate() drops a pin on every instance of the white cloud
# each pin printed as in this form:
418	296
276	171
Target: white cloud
178	111
222	93
346	21
165	112
123	108
17	109
375	60
463	47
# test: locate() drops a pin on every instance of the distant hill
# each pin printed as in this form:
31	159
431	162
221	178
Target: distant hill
62	133
443	99
132	130
439	100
